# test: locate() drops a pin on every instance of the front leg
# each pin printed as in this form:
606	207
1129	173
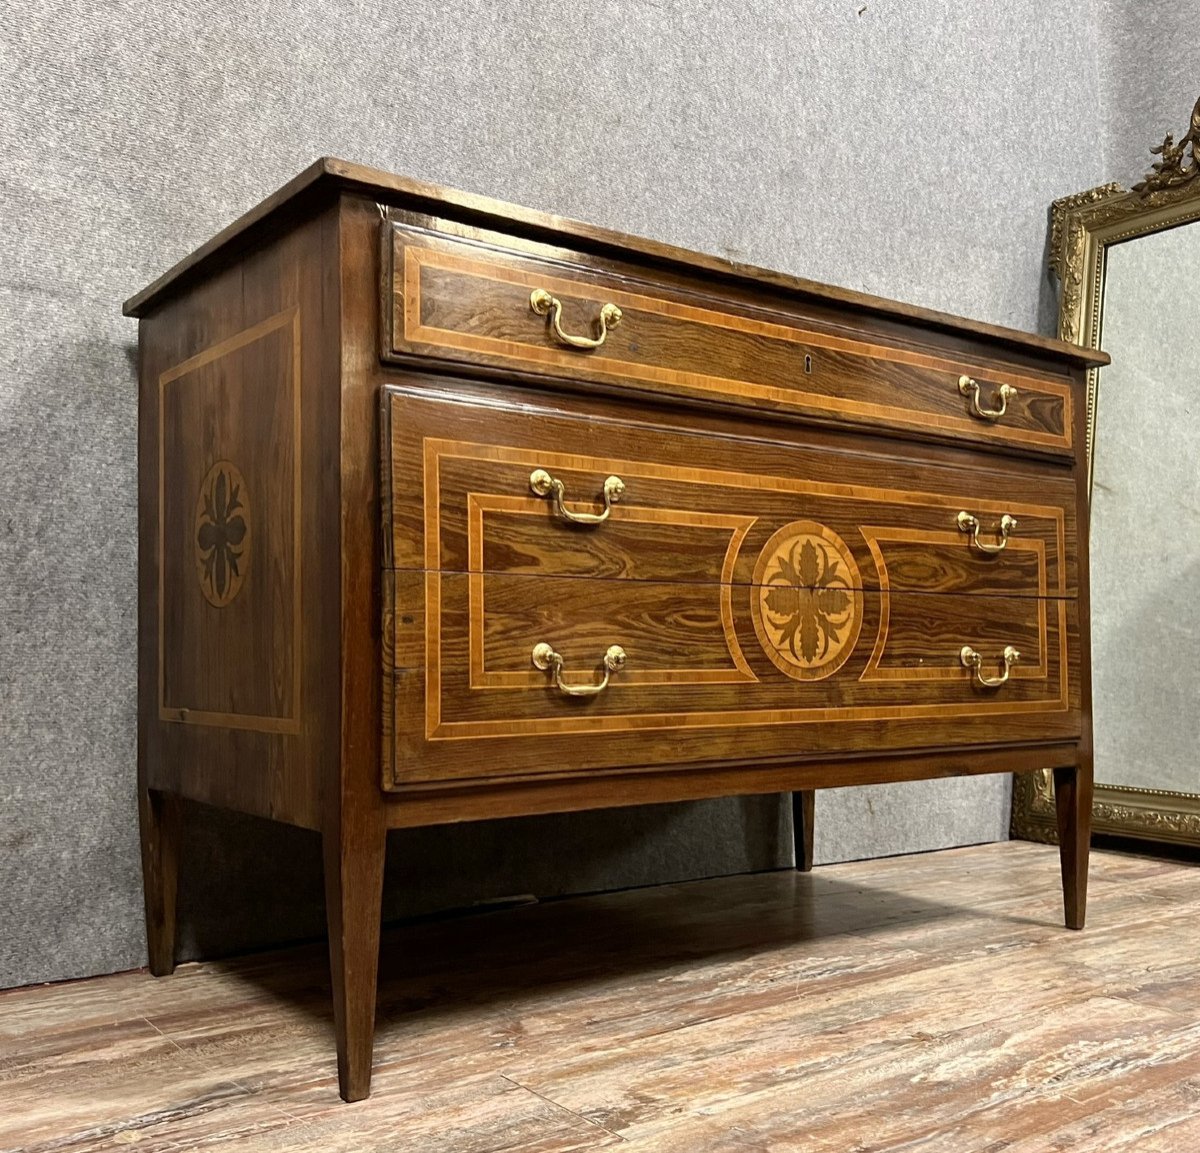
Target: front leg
354	858
1073	805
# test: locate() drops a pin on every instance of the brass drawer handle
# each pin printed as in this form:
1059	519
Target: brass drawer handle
542	483
972	660
1004	394
546	659
969	523
544	304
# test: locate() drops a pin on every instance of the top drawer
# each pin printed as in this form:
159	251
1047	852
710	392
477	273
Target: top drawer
463	302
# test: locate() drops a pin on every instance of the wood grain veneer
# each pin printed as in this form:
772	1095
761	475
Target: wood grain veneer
471	304
343	568
691	495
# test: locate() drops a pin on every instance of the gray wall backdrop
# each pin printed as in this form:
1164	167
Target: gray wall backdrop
905	148
1148	76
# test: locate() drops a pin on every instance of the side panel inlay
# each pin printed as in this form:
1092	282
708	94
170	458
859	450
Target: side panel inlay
223	533
229	532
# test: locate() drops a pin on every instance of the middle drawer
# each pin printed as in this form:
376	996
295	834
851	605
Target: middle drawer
509	490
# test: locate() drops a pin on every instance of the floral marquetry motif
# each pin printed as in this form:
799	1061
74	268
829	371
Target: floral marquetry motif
222	534
807	601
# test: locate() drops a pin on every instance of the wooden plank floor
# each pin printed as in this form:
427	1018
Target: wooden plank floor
918	1003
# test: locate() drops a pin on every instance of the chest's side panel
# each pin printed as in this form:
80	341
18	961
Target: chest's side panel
237	423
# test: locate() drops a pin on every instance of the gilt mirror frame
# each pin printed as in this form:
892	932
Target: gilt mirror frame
1083	228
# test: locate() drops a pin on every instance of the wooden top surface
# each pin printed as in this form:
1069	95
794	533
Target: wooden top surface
485	212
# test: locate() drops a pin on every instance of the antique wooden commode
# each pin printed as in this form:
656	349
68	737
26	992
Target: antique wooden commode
453	510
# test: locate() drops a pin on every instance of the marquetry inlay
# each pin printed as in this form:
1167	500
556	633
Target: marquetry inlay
807	606
748	537
730	529
412	328
220	521
223	534
806	601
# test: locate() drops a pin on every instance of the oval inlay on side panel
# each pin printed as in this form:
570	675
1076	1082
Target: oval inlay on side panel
222	534
807	601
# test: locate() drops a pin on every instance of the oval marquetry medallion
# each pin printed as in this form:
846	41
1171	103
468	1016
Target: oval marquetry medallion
222	533
806	600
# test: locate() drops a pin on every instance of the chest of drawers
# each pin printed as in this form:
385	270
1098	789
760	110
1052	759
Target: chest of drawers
452	510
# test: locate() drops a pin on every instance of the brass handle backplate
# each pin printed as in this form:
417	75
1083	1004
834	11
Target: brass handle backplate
972	660
546	305
546	659
969	523
542	483
1004	394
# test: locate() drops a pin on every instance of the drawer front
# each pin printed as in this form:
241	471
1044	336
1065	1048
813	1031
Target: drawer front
462	501
710	672
467	303
764	609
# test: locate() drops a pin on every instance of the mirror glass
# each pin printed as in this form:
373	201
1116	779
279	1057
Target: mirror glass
1145	521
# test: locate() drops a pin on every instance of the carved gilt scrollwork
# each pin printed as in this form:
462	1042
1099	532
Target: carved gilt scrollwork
1071	218
1176	168
1151	814
1082	226
1033	817
1158	824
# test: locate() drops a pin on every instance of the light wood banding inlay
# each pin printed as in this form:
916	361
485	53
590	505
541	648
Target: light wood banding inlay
875	670
459	300
258	649
434	479
731	528
672	576
924	632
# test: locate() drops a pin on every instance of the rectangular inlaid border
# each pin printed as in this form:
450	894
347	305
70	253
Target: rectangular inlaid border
434	449
289	725
480	678
415	331
873	534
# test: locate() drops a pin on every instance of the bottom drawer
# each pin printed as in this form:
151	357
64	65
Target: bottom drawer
709	673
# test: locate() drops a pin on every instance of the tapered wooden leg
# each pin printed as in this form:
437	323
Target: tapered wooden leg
1073	804
160	822
803	806
354	860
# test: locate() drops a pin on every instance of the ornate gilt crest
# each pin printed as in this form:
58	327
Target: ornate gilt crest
1175	168
1083	225
1073	219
